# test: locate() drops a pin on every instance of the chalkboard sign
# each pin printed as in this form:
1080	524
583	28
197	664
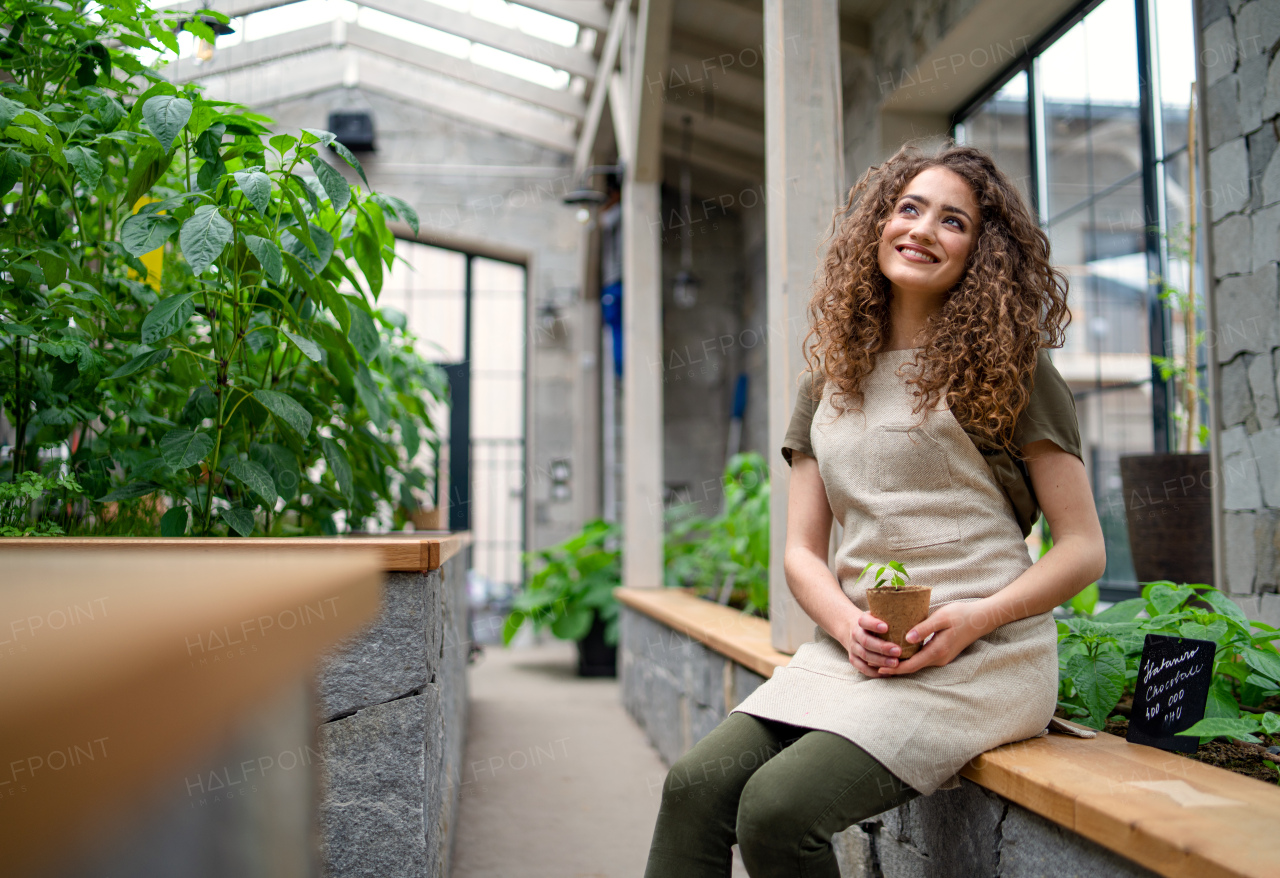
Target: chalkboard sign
1172	686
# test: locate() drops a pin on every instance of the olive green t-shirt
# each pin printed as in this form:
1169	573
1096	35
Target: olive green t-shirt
1050	414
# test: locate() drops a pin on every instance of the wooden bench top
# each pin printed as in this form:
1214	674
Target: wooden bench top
1175	816
121	669
416	550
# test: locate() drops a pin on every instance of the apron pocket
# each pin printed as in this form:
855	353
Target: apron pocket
961	669
912	474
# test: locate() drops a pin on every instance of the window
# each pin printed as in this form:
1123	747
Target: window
1100	151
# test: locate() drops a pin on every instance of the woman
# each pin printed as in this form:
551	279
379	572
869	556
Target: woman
930	424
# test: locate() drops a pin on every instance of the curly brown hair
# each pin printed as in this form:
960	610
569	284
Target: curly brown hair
1009	303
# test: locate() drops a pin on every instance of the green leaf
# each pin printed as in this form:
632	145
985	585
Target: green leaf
131	491
1224	605
256	187
310	349
574	624
398	207
364	334
1271	723
254	477
1241	729
238	519
268	256
283	467
12	165
182	448
1125	611
337	305
204	236
296	246
54	269
1263	661
87	164
8	110
340	466
174	522
1099	680
371	396
1166	599
335	185
142	233
141	361
165	116
167	317
286	409
282	143
318	135
349	157
1199	631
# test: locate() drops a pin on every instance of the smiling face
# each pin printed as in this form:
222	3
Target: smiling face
931	232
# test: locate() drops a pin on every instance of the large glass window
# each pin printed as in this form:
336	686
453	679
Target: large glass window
1100	152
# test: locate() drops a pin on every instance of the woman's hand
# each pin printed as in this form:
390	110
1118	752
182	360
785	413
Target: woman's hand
868	653
953	626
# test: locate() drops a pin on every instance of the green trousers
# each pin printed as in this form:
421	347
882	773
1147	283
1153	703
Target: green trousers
776	790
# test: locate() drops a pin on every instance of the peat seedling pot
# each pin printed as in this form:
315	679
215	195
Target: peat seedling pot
900	608
595	657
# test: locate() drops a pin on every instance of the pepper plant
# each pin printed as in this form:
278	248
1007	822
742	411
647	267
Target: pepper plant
1099	654
188	302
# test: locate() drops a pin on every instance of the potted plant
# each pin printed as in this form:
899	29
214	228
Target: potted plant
1168	501
901	606
572	594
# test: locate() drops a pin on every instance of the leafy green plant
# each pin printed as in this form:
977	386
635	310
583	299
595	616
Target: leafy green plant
727	552
573	585
891	575
188	302
1099	653
30	504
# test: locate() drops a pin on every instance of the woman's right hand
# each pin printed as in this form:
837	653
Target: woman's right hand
867	652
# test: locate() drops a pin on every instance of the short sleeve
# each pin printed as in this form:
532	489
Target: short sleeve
797	438
1051	413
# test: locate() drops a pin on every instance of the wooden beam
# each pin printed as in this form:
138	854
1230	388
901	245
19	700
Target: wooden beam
620	114
724	76
478	30
804	163
737	27
585	13
333	68
648	92
745	138
608	61
246	54
715	158
562	101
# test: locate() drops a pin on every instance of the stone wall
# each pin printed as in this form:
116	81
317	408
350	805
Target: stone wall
678	690
1241	96
393	710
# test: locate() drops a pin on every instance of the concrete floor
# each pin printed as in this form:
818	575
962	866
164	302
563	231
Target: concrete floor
558	780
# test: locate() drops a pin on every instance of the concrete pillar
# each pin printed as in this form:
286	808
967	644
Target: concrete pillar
642	304
804	160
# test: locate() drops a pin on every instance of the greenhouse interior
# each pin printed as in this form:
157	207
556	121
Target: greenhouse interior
468	438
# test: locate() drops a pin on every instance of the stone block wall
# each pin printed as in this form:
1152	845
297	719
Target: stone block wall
1241	94
393	708
678	690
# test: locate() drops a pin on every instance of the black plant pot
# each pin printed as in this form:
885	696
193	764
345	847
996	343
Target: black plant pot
595	657
1169	509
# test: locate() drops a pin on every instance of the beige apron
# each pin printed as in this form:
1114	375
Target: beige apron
922	494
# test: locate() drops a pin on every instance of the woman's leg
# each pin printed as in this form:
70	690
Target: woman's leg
791	807
696	820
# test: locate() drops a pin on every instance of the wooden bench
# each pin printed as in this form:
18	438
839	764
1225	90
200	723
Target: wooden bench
1175	816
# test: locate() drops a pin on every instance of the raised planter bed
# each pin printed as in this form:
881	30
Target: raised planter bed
1051	806
382	719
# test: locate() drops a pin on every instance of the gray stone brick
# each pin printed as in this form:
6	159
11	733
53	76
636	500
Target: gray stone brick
1266	236
961	830
1262	382
1271	101
1248	604
1233	245
1271	182
1266	451
371	809
1240	488
1229	175
1240	545
1248	314
1268	609
1222	108
852	847
1032	847
1236	398
1262	147
1257	29
1212	10
1253	90
1219	50
745	681
1267	533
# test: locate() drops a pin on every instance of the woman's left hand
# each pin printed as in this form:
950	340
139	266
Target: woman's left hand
953	626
